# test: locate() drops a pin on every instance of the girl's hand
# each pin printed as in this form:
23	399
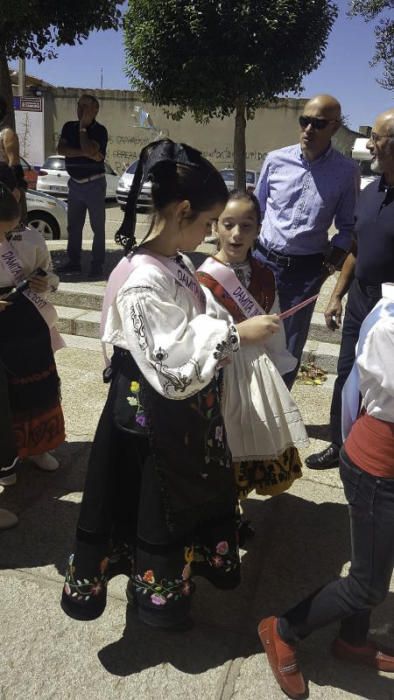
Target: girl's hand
4	305
38	284
258	328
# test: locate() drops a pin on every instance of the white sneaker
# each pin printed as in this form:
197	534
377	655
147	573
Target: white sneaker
46	461
7	519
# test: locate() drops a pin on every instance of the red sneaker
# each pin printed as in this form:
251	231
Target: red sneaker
367	655
282	659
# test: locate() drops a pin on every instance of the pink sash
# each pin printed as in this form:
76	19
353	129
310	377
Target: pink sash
275	346
13	265
125	267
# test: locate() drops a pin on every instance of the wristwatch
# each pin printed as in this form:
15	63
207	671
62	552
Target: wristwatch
330	268
82	129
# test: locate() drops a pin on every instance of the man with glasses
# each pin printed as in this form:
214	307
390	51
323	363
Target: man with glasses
301	190
369	264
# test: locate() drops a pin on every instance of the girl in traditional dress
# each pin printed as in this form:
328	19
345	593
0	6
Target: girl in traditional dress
26	351
160	473
263	424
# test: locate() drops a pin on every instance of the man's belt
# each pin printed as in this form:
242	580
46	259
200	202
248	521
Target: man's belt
288	260
88	179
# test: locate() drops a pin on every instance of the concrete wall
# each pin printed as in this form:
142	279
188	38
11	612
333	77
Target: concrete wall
273	127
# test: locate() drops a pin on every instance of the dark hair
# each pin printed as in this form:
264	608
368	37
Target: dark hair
7	176
236	195
9	207
3	108
92	98
178	172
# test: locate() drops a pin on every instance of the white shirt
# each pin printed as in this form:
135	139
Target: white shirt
31	249
177	348
376	367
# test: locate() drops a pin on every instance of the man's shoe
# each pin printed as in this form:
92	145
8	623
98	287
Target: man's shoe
7	519
327	459
367	655
282	659
45	461
68	268
8	474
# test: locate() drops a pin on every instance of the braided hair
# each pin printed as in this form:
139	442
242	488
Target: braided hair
178	172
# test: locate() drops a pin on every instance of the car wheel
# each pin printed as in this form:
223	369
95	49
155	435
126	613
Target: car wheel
45	223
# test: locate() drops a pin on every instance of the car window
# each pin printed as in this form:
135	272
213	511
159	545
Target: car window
54	163
132	168
227	175
250	177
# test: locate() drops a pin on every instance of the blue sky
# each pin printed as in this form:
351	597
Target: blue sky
345	71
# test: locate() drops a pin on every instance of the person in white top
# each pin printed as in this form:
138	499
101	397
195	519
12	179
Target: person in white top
26	277
160	473
367	472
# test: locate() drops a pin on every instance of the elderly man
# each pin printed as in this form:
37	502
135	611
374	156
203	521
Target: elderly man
84	144
370	263
301	190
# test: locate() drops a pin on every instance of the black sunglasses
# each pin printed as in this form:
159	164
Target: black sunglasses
315	122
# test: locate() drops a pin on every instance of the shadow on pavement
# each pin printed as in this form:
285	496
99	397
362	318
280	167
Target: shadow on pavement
319	432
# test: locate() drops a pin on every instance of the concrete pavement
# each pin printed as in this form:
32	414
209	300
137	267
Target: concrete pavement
301	542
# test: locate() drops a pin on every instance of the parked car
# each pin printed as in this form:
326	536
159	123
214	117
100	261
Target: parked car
47	214
53	178
29	173
228	176
144	204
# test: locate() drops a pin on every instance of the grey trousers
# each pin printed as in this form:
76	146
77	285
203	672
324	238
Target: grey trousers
83	197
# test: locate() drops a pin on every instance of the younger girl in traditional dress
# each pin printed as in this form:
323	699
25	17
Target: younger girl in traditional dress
26	351
160	473
263	424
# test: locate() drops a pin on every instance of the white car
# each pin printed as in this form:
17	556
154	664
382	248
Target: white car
46	214
53	178
144	203
228	176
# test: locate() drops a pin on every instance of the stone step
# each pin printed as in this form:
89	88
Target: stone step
318	330
85	324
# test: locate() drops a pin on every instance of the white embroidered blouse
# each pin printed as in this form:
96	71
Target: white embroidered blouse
176	346
31	249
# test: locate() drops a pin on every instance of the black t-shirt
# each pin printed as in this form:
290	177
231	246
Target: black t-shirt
375	234
82	167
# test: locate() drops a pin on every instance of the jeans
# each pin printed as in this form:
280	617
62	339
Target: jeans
359	304
83	197
350	599
295	283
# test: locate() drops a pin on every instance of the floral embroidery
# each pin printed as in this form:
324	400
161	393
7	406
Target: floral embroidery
222	548
160	592
228	346
220	558
134	400
138	325
84	589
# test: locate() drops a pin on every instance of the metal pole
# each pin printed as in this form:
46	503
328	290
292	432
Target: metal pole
21	76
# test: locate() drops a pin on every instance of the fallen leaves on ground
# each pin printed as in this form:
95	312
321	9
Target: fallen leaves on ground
309	373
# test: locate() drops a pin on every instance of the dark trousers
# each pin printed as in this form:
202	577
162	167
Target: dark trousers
350	599
360	302
83	197
7	441
295	283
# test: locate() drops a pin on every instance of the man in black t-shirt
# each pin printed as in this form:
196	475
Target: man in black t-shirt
368	265
84	144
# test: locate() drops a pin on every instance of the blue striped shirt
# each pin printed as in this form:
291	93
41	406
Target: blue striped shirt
300	199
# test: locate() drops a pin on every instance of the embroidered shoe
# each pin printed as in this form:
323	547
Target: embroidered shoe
282	659
367	655
8	474
45	461
7	519
83	598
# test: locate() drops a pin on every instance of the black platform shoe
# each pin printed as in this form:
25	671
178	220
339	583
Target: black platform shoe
327	459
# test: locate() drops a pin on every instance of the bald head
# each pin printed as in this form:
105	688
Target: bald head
327	106
386	121
381	145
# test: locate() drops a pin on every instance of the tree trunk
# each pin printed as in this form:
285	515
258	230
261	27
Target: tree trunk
240	145
6	91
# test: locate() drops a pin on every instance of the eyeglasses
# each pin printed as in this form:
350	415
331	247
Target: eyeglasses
314	122
374	137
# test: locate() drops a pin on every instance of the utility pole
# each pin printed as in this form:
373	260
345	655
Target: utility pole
21	77
101	78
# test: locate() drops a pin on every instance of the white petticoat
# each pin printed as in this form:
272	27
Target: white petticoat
261	417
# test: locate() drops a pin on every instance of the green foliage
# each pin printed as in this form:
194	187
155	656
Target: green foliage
34	28
205	55
384	32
